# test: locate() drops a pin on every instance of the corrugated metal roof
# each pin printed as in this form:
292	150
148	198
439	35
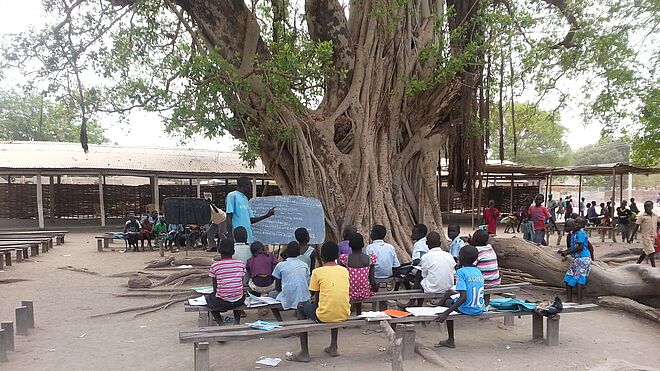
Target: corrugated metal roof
19	158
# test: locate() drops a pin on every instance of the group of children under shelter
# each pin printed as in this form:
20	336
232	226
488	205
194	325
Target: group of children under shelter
350	271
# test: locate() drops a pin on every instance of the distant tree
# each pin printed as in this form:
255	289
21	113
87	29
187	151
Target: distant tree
646	144
539	137
607	151
26	116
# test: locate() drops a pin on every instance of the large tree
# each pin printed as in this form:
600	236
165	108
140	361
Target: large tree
349	103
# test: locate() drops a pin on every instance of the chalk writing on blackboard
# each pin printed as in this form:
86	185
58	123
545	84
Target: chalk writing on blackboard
291	212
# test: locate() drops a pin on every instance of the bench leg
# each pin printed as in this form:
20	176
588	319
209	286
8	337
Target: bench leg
161	248
508	321
201	356
237	317
408	346
9	334
276	314
106	243
3	346
382	305
22	321
2	264
204	319
19	255
8	259
30	309
99	245
552	338
34	250
537	326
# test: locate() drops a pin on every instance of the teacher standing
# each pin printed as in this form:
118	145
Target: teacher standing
239	213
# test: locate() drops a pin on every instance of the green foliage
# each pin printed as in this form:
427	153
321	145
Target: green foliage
607	151
646	144
29	117
540	137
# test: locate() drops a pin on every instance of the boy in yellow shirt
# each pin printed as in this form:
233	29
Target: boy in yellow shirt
329	285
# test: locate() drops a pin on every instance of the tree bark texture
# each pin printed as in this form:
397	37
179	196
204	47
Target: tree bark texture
370	151
633	281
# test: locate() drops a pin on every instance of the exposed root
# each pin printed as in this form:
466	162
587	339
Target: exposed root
188	278
131	274
199	261
430	356
81	270
12	280
630	306
143	307
160	290
163	306
177	275
160	263
168	295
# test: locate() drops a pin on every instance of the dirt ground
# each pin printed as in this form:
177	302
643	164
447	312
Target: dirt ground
66	338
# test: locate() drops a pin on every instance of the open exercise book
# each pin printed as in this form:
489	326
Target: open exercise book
200	301
253	301
428	311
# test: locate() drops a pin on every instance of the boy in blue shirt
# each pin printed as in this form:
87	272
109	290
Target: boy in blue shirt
470	287
578	272
239	213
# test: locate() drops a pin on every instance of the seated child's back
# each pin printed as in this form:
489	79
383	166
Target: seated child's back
331	281
260	268
294	276
487	260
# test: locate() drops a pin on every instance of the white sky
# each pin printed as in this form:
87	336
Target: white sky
17	16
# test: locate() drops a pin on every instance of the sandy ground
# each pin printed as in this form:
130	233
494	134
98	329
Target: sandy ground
66	338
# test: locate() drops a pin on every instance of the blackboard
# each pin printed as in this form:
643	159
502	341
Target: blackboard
291	213
187	210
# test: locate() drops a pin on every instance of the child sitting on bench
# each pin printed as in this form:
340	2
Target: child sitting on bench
454	233
330	286
227	275
470	287
487	259
292	278
260	270
360	269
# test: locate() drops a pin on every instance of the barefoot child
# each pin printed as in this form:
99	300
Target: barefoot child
292	278
578	271
470	287
260	269
227	275
330	285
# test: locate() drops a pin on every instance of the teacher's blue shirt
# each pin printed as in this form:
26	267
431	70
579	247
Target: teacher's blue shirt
237	204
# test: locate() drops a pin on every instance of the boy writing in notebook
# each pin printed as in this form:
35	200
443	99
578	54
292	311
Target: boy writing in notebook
330	287
469	286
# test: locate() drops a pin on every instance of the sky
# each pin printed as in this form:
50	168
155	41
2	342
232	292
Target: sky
142	129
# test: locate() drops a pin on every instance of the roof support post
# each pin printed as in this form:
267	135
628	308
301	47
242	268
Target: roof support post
511	195
101	200
472	206
580	193
630	180
613	193
51	197
40	202
254	187
199	188
620	188
156	197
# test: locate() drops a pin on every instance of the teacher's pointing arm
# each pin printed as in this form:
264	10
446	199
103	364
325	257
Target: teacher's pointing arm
267	215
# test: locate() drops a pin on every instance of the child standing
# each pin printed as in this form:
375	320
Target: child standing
470	287
330	285
487	259
454	232
260	269
360	269
648	223
292	278
227	275
578	271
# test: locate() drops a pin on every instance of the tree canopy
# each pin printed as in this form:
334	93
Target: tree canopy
646	142
25	116
539	137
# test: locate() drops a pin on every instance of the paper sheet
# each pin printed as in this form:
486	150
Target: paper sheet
374	315
265	300
197	301
427	311
269	361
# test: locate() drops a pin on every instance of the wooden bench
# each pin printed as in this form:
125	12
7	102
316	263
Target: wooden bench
33	244
201	337
104	241
380	299
21	250
59	235
602	230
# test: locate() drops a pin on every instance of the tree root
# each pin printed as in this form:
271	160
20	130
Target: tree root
430	356
199	261
163	307
12	280
160	262
632	251
160	290
177	275
130	274
143	307
622	259
188	278
168	295
81	270
630	306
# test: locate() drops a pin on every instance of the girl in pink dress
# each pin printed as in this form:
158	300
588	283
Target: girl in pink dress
360	269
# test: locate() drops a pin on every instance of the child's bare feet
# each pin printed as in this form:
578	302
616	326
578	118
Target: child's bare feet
297	357
446	344
332	351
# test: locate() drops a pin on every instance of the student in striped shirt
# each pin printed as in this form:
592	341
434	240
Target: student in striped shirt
487	260
227	275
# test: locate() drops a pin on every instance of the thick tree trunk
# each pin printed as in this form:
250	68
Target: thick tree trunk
633	281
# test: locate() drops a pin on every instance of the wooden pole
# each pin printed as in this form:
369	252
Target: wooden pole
22	323
613	193
3	346
199	189
156	199
254	187
620	188
579	192
30	310
51	197
9	334
40	202
550	187
101	201
472	206
546	190
630	182
511	193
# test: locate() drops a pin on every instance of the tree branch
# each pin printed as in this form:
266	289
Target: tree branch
568	39
326	21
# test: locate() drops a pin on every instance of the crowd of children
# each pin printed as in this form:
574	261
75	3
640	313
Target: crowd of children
323	293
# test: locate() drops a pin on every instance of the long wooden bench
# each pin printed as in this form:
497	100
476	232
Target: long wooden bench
380	299
20	249
59	235
33	245
201	337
